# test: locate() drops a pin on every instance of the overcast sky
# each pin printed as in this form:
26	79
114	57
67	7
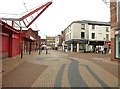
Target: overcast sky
60	14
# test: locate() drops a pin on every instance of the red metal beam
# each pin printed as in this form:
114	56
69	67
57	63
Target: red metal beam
39	14
24	23
36	10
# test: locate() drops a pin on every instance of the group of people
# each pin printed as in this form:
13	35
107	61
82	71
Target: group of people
104	49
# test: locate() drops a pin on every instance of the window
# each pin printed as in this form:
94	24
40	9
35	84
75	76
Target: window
70	35
117	46
93	35
93	26
70	28
107	36
82	35
82	26
107	29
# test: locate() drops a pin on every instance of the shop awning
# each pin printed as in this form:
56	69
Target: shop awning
117	29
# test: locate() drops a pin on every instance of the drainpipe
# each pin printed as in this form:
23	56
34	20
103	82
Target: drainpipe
39	49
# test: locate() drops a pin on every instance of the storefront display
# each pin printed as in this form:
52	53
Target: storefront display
117	46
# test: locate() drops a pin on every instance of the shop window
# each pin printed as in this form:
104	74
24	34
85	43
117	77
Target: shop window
117	47
118	10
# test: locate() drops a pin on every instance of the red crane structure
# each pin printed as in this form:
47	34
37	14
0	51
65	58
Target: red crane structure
23	18
22	22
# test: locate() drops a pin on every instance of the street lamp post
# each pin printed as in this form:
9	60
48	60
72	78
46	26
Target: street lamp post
104	47
21	50
104	41
73	45
30	49
39	49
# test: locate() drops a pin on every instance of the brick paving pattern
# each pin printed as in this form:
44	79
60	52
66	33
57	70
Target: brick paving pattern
60	69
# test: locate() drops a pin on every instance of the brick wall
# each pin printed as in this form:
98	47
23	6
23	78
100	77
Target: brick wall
30	32
114	25
112	49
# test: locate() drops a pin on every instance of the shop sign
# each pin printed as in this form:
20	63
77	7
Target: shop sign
117	32
83	41
15	36
107	43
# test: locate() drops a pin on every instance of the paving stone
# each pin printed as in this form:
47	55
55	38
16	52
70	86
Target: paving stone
42	70
23	75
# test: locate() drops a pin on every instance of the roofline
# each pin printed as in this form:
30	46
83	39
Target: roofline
90	22
9	27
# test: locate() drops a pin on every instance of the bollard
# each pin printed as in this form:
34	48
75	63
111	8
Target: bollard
21	53
46	51
29	52
39	51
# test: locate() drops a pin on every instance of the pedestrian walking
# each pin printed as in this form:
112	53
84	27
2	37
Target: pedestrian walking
102	50
105	50
97	49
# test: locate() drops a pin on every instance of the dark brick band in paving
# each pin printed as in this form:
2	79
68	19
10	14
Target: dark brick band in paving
58	80
113	69
23	76
102	83
74	77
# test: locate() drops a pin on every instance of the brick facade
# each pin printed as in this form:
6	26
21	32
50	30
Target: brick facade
114	25
31	44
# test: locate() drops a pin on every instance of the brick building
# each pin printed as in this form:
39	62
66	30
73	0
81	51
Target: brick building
32	41
115	29
10	40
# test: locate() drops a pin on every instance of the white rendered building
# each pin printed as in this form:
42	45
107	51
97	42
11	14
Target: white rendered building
85	34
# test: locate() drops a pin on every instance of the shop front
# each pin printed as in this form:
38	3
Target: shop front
76	45
10	41
117	44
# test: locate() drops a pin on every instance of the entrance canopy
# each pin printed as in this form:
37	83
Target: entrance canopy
24	20
7	28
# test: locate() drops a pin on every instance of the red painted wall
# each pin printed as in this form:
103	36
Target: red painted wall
5	43
15	45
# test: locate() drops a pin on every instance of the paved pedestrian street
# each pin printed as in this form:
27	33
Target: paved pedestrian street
60	69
